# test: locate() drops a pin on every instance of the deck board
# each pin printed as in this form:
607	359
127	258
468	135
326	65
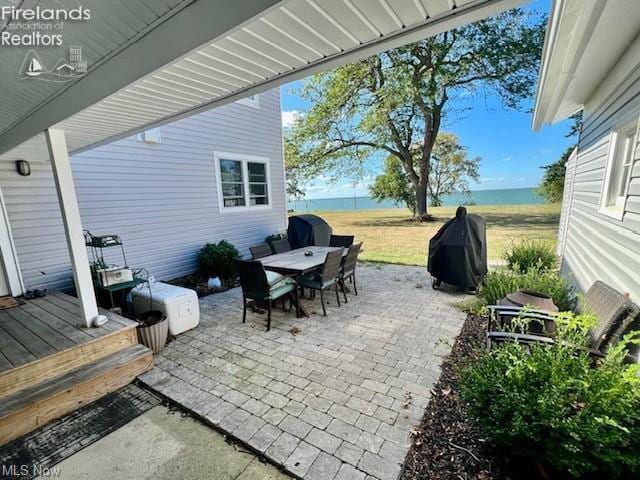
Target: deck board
73	333
64	315
5	364
75	307
24	336
12	350
45	326
48	335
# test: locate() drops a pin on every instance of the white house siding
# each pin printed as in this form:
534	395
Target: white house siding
160	198
598	246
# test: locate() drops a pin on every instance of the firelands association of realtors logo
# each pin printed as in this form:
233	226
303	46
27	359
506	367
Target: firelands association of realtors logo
42	31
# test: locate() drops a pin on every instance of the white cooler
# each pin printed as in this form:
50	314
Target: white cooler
179	304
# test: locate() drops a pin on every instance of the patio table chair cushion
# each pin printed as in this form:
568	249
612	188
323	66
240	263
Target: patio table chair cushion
274	278
282	288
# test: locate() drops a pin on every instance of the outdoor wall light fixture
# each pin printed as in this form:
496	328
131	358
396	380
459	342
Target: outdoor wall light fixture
23	168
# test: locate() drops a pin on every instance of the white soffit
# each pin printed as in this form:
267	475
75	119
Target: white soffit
584	41
292	40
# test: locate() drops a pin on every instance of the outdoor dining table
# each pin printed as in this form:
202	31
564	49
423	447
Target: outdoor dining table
295	262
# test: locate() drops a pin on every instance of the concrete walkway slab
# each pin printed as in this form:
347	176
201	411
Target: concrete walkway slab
164	445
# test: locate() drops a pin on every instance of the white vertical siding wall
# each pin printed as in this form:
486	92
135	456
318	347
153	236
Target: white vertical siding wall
160	198
600	247
567	199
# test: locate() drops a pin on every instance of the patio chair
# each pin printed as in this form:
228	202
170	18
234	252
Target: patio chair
264	286
280	246
615	313
327	277
260	251
341	241
348	269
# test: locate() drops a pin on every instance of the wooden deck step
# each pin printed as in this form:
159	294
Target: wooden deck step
65	360
31	408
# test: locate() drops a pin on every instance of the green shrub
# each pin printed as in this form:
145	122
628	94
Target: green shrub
219	260
530	254
498	283
549	404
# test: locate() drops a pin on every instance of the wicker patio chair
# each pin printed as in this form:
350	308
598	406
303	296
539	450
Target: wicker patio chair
280	246
615	313
348	269
341	241
326	278
262	286
260	251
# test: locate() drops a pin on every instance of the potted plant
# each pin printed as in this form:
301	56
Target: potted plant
153	327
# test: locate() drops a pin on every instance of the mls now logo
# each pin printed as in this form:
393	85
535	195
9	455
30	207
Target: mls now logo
16	471
33	68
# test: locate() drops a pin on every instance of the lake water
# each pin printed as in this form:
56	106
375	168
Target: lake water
510	196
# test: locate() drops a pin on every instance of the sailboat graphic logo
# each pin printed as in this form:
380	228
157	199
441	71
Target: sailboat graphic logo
35	68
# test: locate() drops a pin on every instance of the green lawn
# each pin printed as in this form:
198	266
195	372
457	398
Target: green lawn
391	236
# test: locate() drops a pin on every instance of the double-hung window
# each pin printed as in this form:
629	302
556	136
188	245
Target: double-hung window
619	166
243	181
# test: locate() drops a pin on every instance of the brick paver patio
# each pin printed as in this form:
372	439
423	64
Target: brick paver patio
336	399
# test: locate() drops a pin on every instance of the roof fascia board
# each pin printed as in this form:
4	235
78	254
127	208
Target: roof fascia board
563	54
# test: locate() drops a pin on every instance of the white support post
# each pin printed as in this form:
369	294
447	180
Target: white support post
73	226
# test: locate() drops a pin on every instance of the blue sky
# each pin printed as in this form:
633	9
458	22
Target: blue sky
511	152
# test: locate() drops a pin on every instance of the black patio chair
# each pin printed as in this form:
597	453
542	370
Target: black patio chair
616	315
260	251
256	286
280	246
348	269
325	278
341	241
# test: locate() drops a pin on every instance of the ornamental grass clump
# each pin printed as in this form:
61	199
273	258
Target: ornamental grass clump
498	283
531	254
554	406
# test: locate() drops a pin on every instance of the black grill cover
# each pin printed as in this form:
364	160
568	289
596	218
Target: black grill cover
306	230
458	252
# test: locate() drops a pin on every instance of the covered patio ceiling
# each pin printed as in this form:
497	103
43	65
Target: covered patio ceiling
151	62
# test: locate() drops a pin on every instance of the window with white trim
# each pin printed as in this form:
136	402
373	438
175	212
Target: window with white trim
243	181
258	194
232	182
619	166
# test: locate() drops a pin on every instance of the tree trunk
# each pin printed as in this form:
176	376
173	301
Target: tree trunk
421	213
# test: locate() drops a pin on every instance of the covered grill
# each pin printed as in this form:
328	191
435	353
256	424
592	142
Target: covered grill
306	230
458	252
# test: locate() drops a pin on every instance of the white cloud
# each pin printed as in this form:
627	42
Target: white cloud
506	159
290	117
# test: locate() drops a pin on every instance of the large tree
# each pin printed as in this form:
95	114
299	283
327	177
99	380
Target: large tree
450	171
551	187
393	101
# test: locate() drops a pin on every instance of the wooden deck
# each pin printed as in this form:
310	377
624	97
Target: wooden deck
50	366
45	326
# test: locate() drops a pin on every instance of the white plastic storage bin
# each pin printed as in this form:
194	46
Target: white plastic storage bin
179	304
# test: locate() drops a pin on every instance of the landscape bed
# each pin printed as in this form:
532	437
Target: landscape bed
446	445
